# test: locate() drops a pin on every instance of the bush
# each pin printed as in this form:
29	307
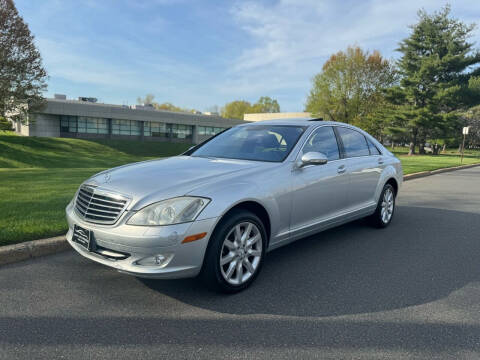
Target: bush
5	124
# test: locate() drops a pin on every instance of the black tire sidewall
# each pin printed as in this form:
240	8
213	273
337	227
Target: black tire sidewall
211	271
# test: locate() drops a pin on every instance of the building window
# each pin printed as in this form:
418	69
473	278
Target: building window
68	123
126	127
156	129
181	131
92	125
209	130
83	124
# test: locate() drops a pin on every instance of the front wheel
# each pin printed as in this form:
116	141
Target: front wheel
235	253
385	208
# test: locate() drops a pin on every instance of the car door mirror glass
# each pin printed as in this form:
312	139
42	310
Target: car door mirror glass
313	158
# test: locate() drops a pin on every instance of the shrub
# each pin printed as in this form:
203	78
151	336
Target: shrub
5	124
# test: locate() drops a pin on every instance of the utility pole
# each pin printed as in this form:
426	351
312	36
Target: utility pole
465	133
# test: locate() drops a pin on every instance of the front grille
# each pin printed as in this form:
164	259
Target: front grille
99	206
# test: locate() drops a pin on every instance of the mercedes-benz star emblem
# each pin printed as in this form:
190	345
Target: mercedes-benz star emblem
107	177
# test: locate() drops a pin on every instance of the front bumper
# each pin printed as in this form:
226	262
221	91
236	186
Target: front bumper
139	242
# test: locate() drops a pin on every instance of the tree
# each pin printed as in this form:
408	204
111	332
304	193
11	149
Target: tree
169	107
471	118
438	76
349	87
22	76
148	99
265	105
214	109
236	109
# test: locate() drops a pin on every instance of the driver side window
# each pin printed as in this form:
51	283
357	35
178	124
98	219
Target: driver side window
323	140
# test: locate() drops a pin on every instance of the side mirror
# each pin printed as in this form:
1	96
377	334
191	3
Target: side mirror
313	158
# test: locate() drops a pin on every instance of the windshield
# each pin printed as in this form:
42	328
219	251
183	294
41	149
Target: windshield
253	142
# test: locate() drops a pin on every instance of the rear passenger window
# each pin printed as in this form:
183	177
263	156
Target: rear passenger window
373	149
323	140
354	143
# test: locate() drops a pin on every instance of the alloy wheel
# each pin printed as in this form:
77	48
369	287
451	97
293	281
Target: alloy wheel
241	253
387	206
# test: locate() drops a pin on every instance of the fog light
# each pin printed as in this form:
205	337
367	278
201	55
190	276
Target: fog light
159	260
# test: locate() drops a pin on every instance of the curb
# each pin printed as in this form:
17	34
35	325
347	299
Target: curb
32	249
36	248
438	171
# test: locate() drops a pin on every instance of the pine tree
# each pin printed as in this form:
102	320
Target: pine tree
22	76
439	75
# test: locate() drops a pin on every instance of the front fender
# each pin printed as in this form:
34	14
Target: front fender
230	195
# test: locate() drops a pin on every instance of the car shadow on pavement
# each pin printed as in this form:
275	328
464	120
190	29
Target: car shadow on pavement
423	256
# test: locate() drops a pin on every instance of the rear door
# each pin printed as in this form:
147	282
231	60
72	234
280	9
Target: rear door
363	167
319	191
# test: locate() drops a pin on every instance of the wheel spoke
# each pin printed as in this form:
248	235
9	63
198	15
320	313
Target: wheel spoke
248	266
246	233
226	259
253	240
238	233
239	272
229	245
255	252
231	269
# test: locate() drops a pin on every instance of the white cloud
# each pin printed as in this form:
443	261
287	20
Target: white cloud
282	44
291	39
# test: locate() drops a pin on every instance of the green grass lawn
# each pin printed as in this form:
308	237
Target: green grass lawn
418	163
38	176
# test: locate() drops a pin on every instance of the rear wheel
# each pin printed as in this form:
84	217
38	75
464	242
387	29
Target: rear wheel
385	208
235	253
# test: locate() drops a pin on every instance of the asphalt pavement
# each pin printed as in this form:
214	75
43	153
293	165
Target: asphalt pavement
409	291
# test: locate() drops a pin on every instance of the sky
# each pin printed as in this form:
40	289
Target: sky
198	54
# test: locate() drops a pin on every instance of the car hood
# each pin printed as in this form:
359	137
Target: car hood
149	181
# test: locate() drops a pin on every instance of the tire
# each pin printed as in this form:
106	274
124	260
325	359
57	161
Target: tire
383	215
225	246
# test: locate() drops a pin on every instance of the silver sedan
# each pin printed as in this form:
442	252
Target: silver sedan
216	210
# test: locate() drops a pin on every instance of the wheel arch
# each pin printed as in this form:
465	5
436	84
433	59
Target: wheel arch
250	205
255	208
392	181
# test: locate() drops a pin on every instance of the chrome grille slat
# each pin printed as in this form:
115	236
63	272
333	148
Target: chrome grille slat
100	216
84	196
114	213
98	202
92	200
115	203
83	202
102	207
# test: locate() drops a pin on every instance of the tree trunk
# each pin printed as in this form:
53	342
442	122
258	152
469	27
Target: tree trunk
421	148
413	143
444	148
436	149
411	150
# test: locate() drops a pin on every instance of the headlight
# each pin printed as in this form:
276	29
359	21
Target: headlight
168	212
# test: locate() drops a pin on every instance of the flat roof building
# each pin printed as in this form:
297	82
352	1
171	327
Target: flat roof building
88	119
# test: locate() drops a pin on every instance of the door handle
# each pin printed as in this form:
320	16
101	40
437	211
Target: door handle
380	161
341	169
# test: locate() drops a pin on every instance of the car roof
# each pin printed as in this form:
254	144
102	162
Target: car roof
295	121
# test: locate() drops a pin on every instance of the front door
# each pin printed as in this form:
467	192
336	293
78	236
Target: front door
319	191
